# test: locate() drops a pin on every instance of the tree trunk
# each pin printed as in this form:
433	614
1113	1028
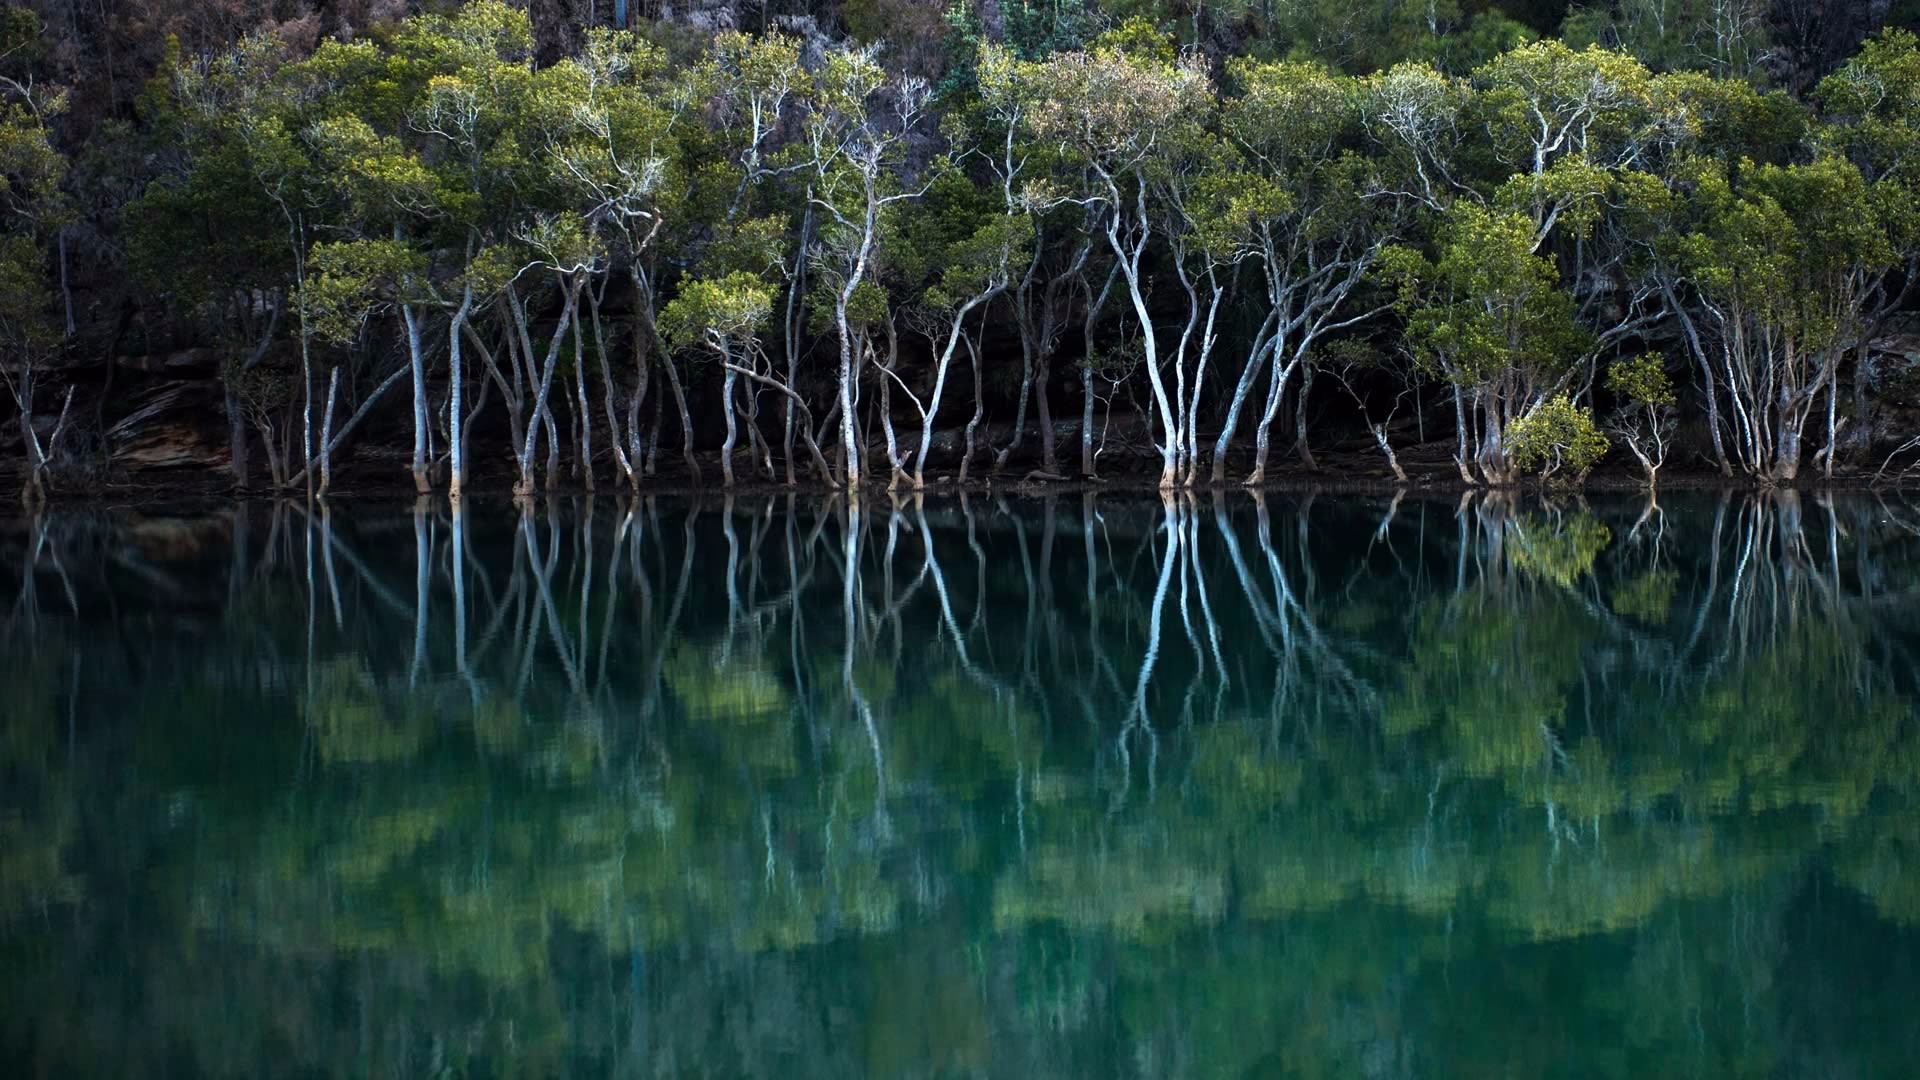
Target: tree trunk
1263	432
1086	420
849	449
894	471
236	441
1263	343
1301	445
1386	448
1786	459
1049	458
417	364
686	418
306	398
726	409
582	412
979	410
1708	384
1027	349
553	451
795	322
543	383
456	397
1130	267
326	434
956	331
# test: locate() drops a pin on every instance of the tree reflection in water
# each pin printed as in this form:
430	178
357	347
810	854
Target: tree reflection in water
1077	785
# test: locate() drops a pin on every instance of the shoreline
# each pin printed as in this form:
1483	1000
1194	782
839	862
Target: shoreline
196	487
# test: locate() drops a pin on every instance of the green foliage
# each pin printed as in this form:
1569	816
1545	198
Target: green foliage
19	37
1641	380
1648	598
723	314
1559	549
1872	107
26	323
1530	204
1556	435
32	208
1787	248
1546	101
1120	105
1489	305
1296	121
352	279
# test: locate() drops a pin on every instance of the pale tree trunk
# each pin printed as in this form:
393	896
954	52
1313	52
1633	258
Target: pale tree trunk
621	458
895	464
582	413
34	492
804	417
1023	319
849	448
1786	461
1262	344
896	460
756	442
514	391
1130	267
1386	450
636	446
956	331
456	397
526	364
417	365
726	410
1708	383
1461	435
1276	392
653	434
306	398
553	449
795	322
1182	402
1043	415
1192	452
543	380
686	418
1094	304
1086	423
1300	444
326	434
1833	428
979	409
851	444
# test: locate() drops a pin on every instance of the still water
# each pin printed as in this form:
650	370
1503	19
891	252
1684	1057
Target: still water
1006	787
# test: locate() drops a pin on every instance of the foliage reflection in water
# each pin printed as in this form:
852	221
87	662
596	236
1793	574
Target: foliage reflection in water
1022	787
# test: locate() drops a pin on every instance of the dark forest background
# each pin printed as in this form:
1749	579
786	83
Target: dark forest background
123	363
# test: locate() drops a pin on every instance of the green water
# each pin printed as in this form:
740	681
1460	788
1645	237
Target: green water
1027	788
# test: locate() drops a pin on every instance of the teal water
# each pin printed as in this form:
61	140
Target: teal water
1338	787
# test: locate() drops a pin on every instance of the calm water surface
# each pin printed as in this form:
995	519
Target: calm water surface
1073	787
